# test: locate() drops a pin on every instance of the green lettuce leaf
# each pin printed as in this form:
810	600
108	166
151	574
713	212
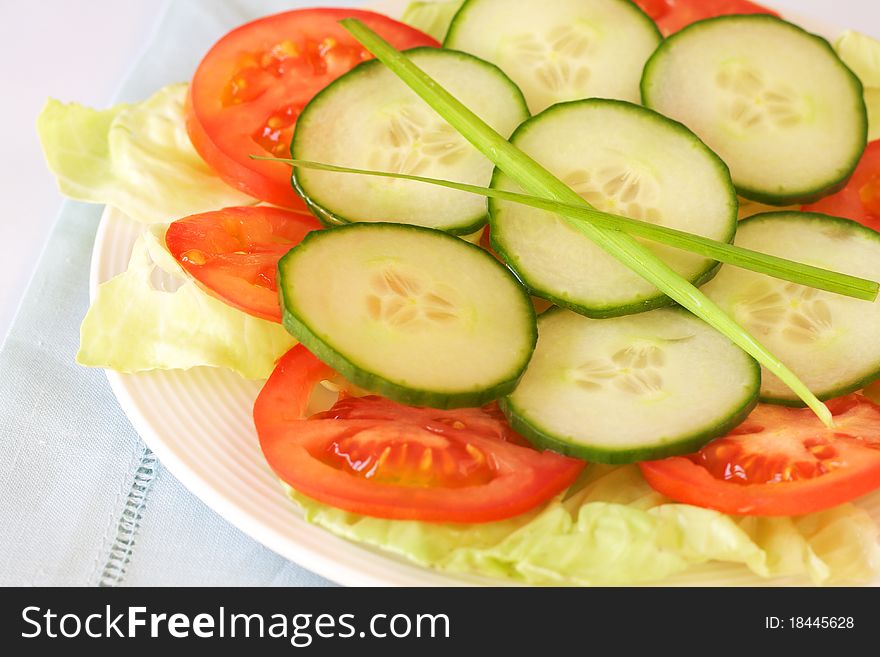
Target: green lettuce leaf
137	158
616	530
153	316
432	18
862	54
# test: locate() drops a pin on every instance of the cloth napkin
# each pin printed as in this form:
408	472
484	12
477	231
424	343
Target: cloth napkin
83	501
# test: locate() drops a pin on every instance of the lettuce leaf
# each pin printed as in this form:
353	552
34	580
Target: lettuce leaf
153	316
616	530
862	54
137	158
432	18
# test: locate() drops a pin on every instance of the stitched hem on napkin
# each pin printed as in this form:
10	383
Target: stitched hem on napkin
125	528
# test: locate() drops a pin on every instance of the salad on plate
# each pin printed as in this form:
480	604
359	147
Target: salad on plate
564	292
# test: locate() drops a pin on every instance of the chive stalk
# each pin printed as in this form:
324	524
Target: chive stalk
763	263
535	179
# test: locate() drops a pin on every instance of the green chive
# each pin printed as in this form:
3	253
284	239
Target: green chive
763	263
535	179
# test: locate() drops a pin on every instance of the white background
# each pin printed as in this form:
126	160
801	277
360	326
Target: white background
79	50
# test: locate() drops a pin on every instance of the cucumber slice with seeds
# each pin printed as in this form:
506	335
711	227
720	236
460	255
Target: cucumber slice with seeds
411	313
632	388
560	50
369	119
625	159
775	102
830	341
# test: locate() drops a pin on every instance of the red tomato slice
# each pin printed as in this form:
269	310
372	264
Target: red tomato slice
372	456
860	199
233	253
780	462
672	15
656	9
252	85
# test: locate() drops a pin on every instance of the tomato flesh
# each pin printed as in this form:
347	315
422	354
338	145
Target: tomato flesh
375	457
233	253
673	15
252	85
780	461
860	199
415	453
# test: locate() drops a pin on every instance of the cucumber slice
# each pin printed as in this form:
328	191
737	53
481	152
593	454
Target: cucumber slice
431	16
369	119
830	341
632	388
559	50
411	313
775	102
625	159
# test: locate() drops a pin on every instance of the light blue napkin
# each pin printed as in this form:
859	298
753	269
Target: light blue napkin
82	500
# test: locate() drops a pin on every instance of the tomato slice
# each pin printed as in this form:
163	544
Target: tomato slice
372	456
233	253
780	462
860	199
672	15
252	85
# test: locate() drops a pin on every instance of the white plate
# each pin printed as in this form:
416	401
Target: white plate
199	425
